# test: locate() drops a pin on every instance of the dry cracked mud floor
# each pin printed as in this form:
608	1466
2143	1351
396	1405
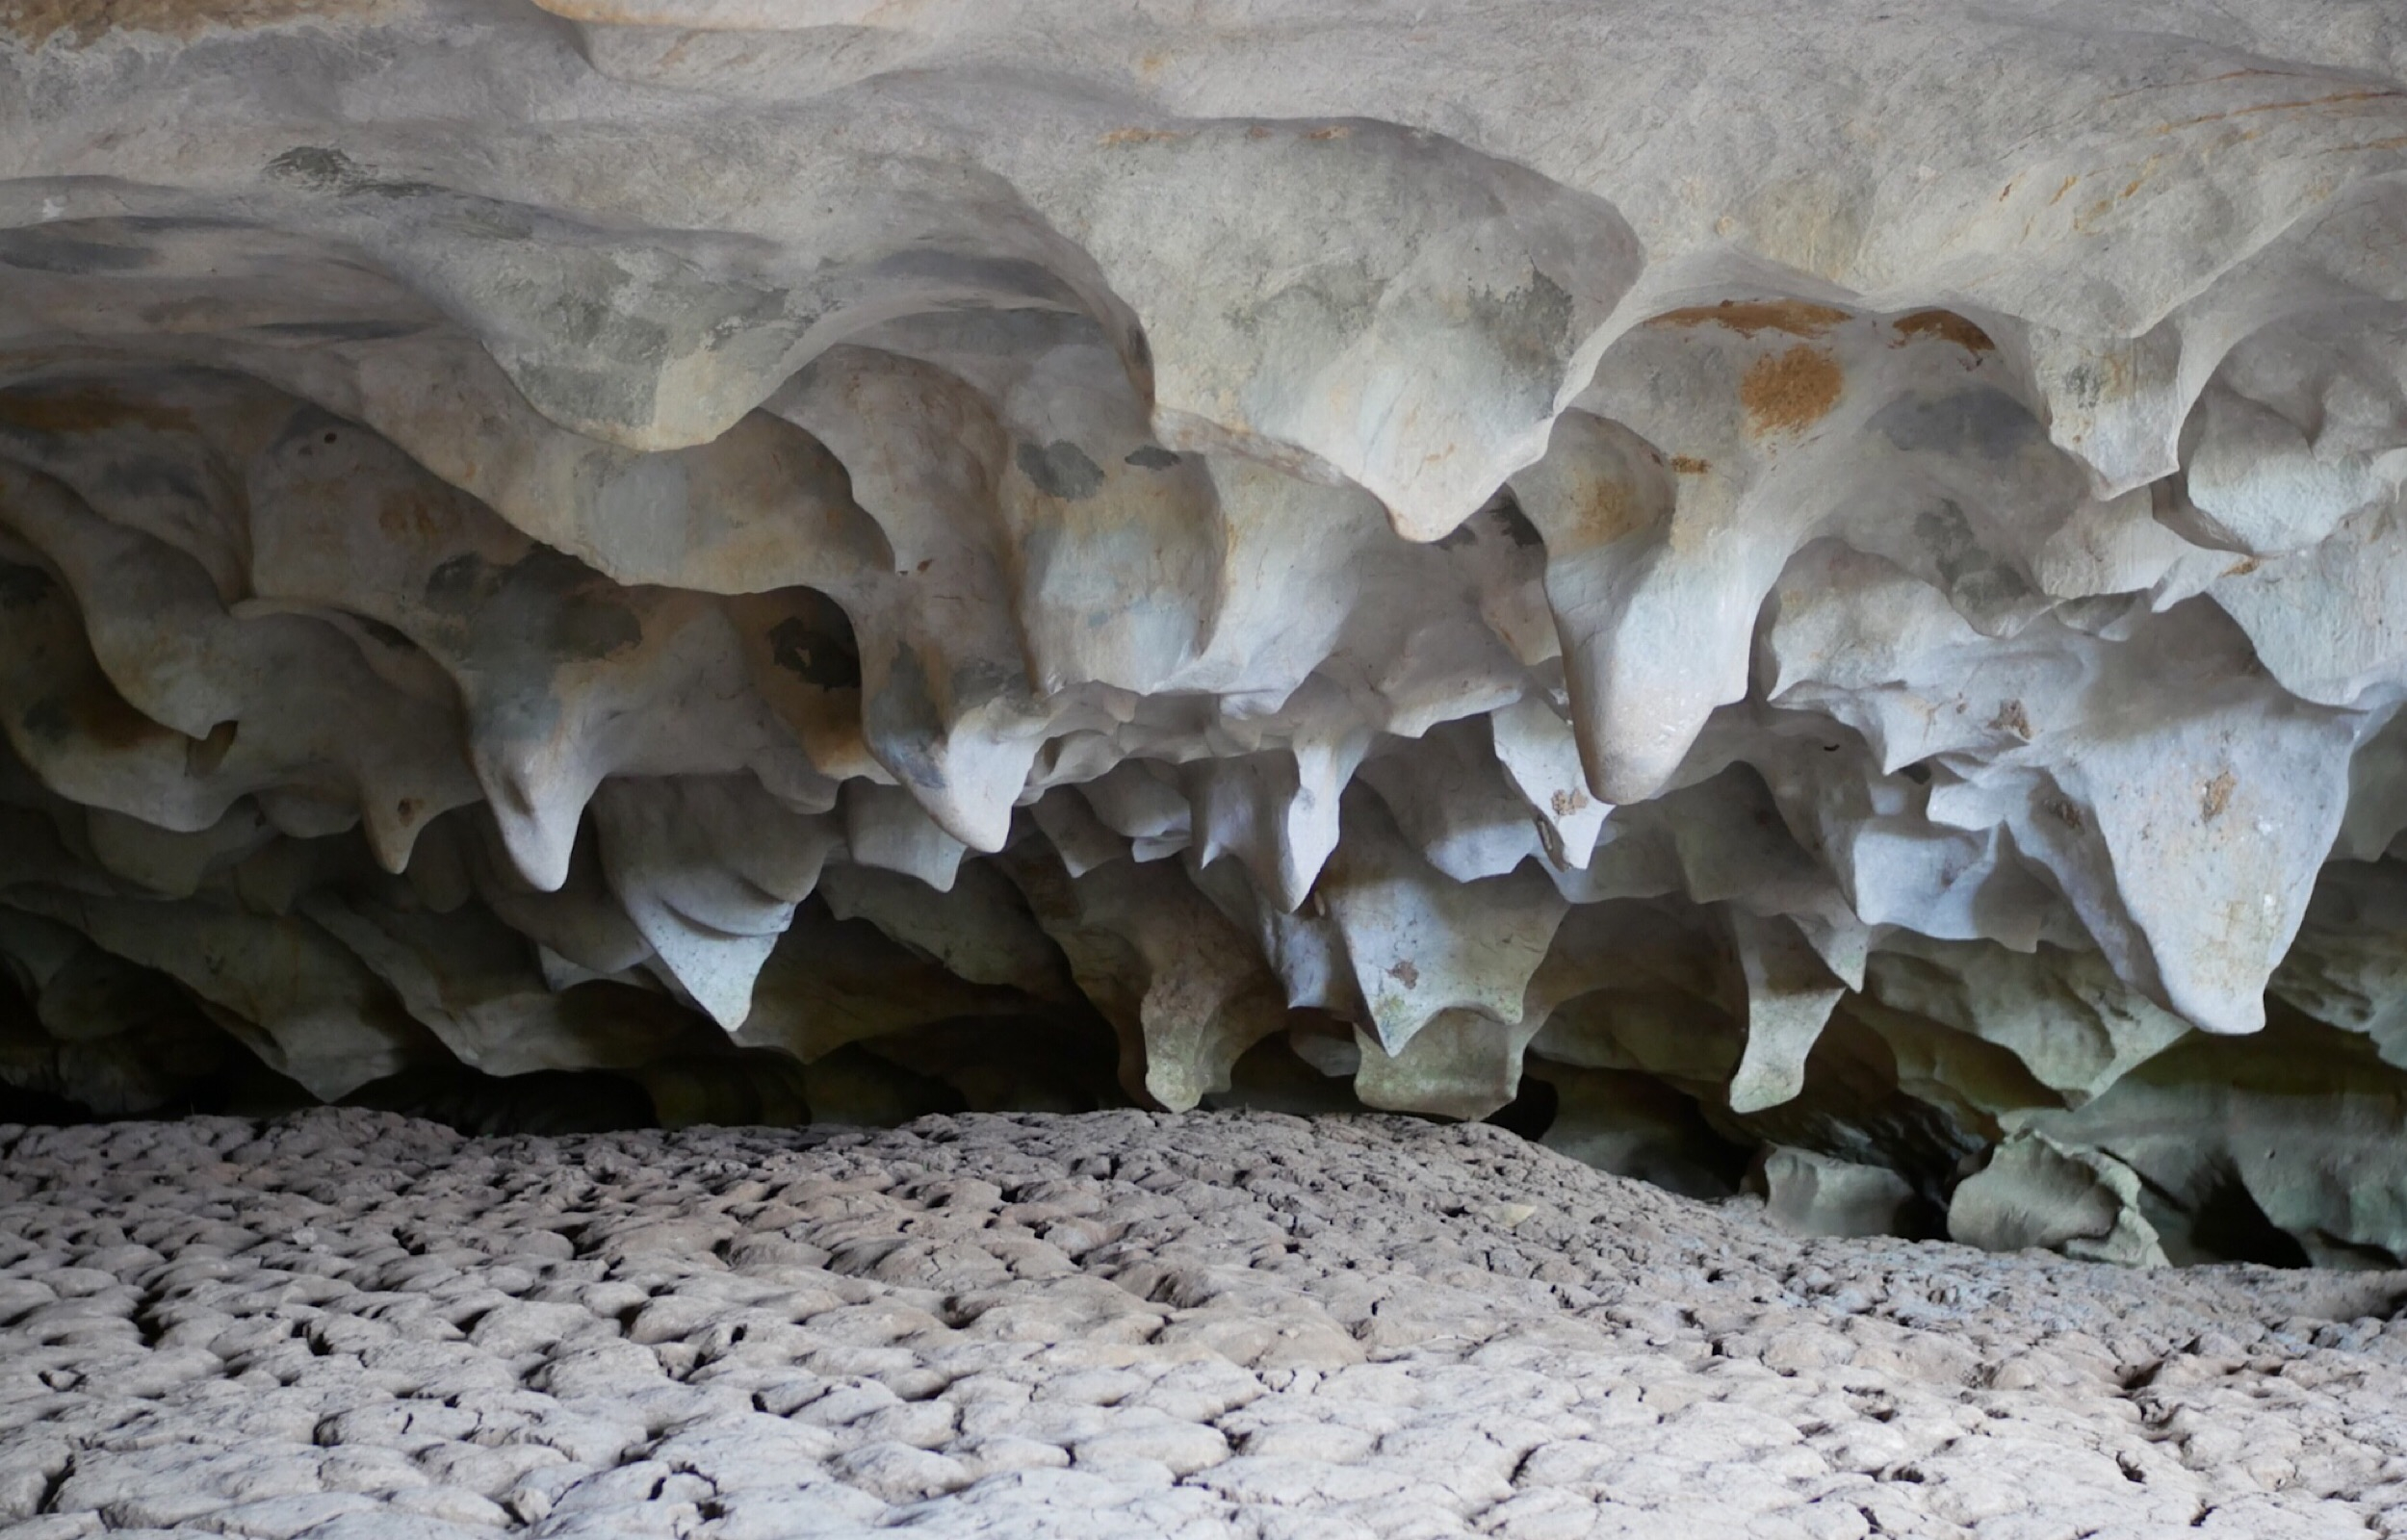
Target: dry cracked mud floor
348	1324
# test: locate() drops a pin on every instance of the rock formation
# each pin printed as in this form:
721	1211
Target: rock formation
348	1325
1821	577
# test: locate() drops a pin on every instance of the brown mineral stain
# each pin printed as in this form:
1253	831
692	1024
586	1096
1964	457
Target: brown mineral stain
2242	568
1568	803
2066	186
1140	136
2066	814
1608	509
1405	973
2217	797
1790	392
1690	465
102	718
36	22
87	409
1797	318
406	518
2012	718
1333	131
1947	326
2336	99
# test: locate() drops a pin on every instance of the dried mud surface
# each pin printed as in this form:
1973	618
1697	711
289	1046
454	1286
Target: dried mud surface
351	1324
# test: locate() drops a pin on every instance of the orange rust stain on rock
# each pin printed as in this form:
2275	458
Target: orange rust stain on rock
2062	187
2303	104
1607	510
87	409
36	22
2147	169
2217	796
1690	465
406	518
1797	318
2113	379
1405	973
102	719
1140	136
1332	130
1790	392
1947	326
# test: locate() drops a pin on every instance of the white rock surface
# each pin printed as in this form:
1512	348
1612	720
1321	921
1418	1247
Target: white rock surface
348	1325
563	537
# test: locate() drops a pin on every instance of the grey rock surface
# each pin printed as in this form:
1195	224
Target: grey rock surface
1838	560
350	1326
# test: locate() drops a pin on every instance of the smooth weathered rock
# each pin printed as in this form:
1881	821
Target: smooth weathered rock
1839	560
1815	1194
2034	1193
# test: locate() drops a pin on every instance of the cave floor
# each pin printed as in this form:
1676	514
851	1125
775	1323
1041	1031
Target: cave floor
349	1323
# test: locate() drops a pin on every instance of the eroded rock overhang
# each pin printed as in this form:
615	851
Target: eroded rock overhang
1835	565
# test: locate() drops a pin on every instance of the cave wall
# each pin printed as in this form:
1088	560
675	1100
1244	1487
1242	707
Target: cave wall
1818	581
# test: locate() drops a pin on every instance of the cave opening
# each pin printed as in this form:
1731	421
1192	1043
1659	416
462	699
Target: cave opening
1550	768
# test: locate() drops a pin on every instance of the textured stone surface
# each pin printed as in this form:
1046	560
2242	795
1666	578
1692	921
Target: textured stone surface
1823	575
349	1325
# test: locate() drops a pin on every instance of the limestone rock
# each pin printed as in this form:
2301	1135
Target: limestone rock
1842	561
1126	1324
2034	1193
1815	1194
